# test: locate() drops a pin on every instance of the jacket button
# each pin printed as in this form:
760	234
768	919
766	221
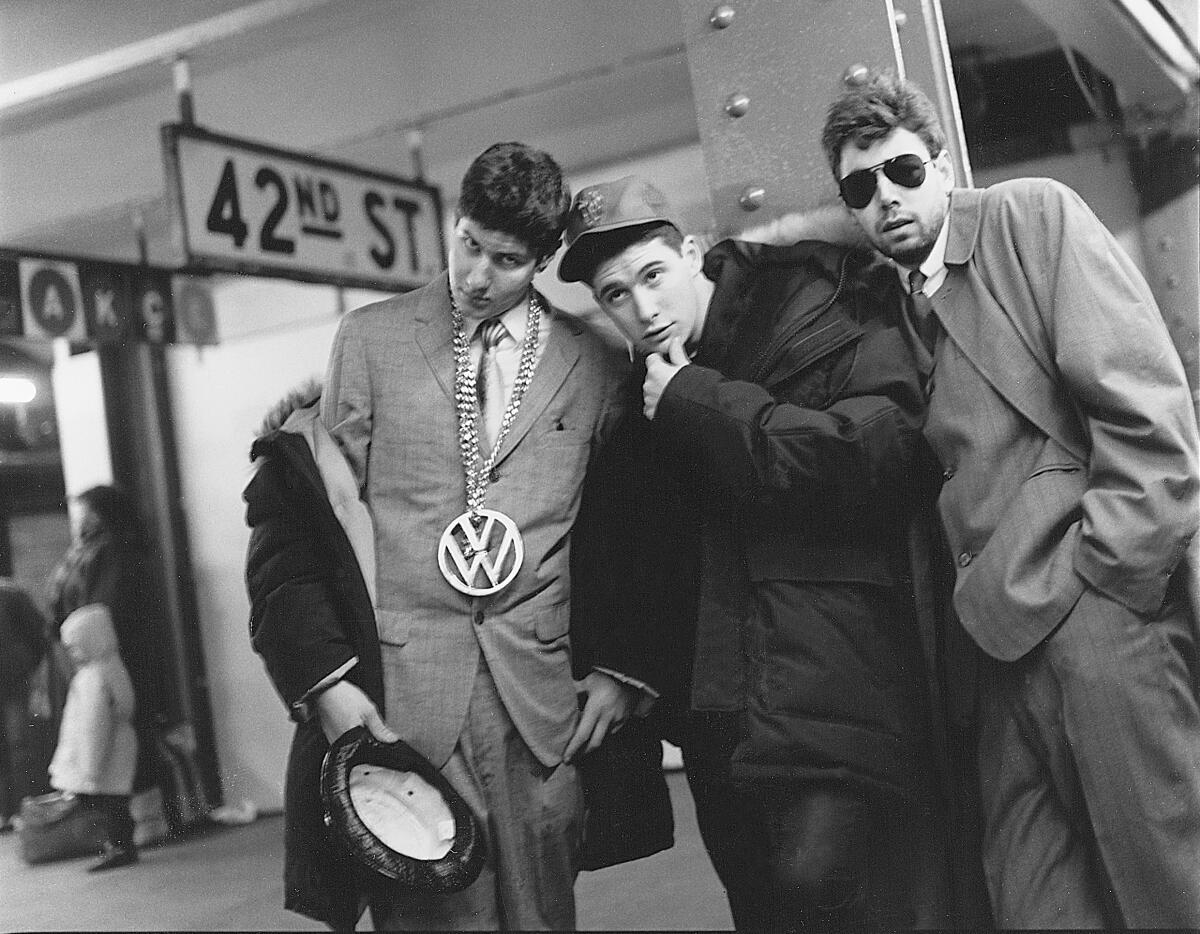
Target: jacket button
964	559
494	475
947	473
479	617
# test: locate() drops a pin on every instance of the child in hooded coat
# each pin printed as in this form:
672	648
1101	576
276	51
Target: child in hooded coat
97	747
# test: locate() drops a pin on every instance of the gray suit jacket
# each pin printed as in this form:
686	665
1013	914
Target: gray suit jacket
389	402
1071	379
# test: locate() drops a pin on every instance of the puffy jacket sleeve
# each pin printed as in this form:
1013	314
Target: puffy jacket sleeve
295	622
855	448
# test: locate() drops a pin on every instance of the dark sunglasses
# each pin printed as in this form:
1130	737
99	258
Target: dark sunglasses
858	188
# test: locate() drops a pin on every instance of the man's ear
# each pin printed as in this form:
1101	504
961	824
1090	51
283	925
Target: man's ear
691	251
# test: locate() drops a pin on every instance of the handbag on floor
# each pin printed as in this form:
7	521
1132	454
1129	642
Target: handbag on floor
184	799
58	826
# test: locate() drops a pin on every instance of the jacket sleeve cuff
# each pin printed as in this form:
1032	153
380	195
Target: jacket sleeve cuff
302	710
690	384
648	694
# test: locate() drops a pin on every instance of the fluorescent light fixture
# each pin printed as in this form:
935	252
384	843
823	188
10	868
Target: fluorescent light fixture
16	390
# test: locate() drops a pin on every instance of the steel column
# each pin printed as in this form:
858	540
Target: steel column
764	72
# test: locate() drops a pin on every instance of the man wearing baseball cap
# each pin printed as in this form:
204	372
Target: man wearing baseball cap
756	518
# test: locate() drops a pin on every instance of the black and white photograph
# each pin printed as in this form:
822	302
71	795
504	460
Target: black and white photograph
601	465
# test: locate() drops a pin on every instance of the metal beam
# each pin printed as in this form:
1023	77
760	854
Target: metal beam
32	91
764	72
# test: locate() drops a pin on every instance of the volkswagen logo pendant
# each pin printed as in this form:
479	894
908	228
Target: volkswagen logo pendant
480	553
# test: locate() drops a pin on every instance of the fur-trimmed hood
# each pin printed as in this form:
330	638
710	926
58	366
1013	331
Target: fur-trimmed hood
302	397
298	413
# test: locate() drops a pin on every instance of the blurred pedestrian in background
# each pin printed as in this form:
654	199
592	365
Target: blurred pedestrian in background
22	645
108	563
97	749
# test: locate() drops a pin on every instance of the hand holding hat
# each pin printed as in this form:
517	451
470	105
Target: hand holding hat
343	706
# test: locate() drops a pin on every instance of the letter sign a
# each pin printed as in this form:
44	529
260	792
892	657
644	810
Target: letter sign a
52	299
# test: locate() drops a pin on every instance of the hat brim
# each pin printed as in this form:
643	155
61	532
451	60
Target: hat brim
576	260
379	867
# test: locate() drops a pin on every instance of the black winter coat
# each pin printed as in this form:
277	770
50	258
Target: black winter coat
310	612
764	540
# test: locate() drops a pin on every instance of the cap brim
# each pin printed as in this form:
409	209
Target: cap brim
574	262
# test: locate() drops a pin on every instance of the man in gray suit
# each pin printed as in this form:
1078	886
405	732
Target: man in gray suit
469	410
1061	417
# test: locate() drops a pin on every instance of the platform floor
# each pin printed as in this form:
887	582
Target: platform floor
228	879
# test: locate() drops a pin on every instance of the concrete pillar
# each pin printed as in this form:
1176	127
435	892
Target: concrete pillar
141	435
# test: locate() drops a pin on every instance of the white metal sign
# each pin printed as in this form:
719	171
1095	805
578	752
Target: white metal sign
246	207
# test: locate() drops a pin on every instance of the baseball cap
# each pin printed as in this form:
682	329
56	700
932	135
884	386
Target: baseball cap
394	814
597	209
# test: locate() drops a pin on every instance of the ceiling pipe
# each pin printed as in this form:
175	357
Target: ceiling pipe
33	91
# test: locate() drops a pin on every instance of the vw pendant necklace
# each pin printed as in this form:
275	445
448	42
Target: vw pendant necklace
484	542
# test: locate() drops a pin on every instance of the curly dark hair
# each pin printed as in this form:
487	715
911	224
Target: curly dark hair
869	111
519	191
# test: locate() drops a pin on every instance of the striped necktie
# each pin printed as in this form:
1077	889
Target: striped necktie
489	388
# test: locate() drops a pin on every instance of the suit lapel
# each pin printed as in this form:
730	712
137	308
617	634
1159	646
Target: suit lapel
435	333
985	333
558	359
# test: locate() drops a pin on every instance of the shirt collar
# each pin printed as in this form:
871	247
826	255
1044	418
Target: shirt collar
934	265
514	320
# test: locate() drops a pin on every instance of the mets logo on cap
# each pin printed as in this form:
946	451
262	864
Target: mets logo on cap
591	206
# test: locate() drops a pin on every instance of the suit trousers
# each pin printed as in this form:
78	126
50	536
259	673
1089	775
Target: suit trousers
1089	763
532	819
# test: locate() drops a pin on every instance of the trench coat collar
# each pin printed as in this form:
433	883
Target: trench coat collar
965	215
997	342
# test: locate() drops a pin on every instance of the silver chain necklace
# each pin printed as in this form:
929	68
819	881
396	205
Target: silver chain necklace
484	540
466	400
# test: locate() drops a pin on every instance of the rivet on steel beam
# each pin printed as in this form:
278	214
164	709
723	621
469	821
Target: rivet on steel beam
856	74
721	16
737	104
752	197
900	18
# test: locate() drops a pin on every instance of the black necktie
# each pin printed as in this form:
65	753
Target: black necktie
924	321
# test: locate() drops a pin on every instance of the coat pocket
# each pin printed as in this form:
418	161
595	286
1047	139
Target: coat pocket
553	622
394	626
1070	467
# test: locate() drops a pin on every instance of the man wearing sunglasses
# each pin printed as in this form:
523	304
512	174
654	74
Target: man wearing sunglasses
1061	417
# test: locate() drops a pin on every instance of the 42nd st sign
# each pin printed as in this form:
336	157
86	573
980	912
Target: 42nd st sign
245	207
